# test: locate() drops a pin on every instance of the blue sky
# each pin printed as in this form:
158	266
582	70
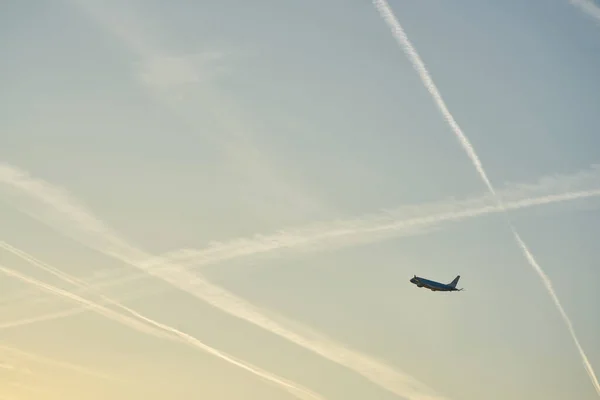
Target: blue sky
289	166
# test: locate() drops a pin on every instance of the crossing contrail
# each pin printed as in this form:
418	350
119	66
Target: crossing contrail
291	387
403	221
403	226
62	364
108	242
189	258
73	311
88	230
401	37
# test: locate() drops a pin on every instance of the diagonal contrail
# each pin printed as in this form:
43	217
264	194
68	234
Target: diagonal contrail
56	363
589	7
205	256
52	196
312	340
406	220
271	243
201	257
290	387
399	227
92	232
401	37
72	311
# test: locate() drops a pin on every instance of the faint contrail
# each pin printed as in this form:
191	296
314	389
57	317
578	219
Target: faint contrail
62	364
98	308
588	7
206	256
399	34
28	388
407	220
12	367
101	238
71	311
405	226
109	243
66	294
220	298
289	386
9	367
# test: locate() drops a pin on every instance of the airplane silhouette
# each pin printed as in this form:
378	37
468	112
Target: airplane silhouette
436	286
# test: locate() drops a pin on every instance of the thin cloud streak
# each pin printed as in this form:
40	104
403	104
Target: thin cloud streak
66	294
401	37
433	214
61	364
290	387
14	368
100	237
164	75
588	7
400	227
72	311
398	222
464	141
403	221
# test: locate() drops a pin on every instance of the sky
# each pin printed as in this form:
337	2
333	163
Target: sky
228	199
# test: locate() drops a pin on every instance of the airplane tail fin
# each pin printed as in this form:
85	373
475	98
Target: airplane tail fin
454	282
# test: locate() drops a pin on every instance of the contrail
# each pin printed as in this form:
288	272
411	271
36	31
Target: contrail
200	257
71	311
6	366
56	199
398	227
588	7
399	34
103	239
162	70
62	364
28	388
407	220
108	280
290	387
100	309
58	273
219	298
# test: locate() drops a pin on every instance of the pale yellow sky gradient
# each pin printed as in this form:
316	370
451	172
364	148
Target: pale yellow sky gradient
227	201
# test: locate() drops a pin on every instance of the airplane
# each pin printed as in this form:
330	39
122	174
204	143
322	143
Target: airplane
436	286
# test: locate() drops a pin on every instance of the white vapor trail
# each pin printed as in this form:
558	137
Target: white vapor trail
71	311
407	220
401	37
378	227
62	364
275	242
466	209
405	226
6	366
289	386
239	248
109	243
63	208
588	7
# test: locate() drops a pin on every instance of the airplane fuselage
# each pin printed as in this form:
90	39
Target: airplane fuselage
432	285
